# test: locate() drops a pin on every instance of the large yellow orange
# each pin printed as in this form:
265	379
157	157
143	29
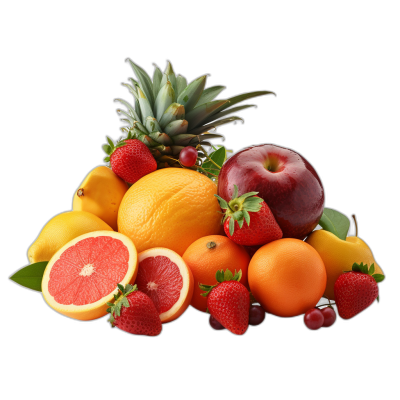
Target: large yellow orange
170	208
287	277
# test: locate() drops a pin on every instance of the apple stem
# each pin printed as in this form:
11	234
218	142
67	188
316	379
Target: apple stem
355	222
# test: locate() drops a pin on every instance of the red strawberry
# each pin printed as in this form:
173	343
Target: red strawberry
134	312
229	301
248	220
130	159
356	290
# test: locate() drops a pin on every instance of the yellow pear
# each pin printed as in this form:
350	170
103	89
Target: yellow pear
60	230
339	255
101	193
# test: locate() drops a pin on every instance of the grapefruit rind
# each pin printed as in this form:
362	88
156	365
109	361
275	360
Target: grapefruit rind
188	282
99	308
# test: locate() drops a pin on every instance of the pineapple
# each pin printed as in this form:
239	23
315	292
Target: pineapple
168	114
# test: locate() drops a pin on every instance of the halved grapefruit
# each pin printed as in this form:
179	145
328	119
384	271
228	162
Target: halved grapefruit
167	280
83	275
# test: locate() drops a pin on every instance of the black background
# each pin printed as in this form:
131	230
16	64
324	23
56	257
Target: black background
329	79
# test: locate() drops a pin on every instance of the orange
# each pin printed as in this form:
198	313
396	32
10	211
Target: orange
170	208
208	255
287	277
167	280
83	275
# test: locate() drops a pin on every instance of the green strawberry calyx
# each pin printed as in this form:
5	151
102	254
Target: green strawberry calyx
221	276
111	147
363	268
120	300
239	207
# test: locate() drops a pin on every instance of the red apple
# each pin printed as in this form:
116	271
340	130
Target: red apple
284	179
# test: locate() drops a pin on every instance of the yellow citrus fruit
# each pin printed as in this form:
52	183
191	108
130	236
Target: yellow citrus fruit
170	208
101	193
83	275
339	255
209	254
60	230
167	280
287	277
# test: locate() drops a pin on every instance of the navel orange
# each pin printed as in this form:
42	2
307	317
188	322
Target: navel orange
170	208
287	277
208	255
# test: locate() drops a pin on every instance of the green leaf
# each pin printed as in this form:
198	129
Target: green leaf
364	268
31	275
356	267
335	222
235	192
219	157
246	216
371	269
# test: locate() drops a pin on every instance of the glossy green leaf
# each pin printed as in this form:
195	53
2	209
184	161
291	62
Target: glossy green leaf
31	276
335	222
219	157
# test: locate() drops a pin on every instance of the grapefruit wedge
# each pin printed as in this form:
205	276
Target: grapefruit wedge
167	280
83	275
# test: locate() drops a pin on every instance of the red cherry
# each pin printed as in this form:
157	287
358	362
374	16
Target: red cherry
215	324
313	319
188	156
257	315
329	316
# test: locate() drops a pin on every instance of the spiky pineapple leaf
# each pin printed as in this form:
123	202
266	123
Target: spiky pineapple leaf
181	84
129	107
176	127
205	128
191	94
157	76
144	80
200	113
145	105
227	112
164	99
210	94
242	97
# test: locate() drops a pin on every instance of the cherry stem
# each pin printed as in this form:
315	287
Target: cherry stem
207	156
207	171
355	222
330	304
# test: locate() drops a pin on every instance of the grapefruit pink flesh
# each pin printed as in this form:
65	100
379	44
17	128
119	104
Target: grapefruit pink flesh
83	275
161	280
164	276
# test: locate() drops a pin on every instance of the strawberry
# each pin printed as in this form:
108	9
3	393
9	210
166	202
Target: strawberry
356	290
130	159
238	214
134	312
229	301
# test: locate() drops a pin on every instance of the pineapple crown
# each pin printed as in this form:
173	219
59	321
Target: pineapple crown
169	114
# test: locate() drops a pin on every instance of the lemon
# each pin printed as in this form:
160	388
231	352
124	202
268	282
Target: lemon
60	230
101	193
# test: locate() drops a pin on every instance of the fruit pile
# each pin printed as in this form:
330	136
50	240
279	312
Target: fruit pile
171	221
